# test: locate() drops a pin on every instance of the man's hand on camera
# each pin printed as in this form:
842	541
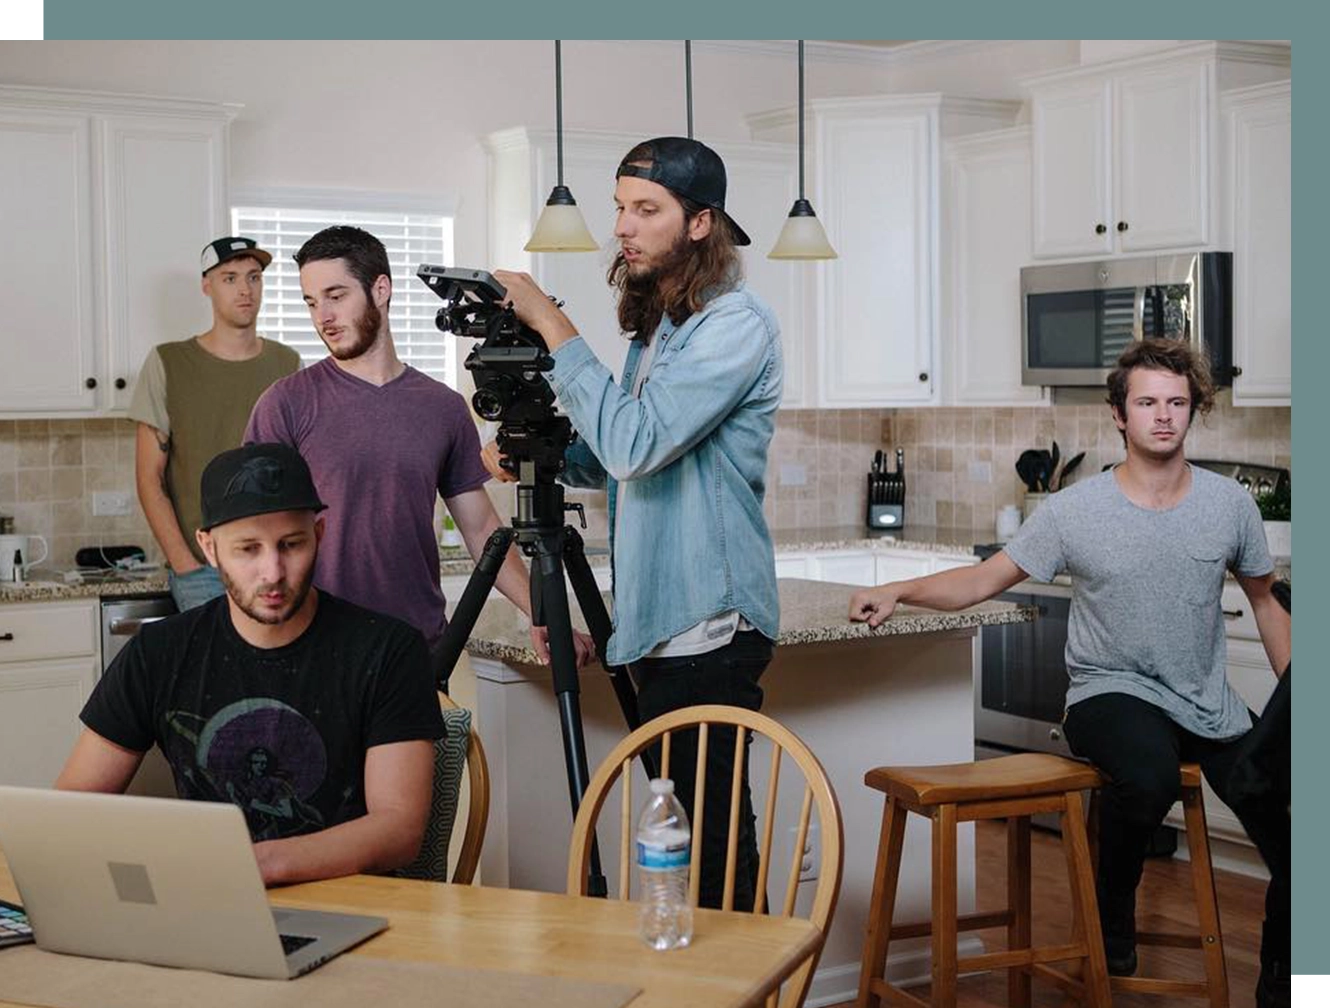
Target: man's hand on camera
490	458
583	646
535	308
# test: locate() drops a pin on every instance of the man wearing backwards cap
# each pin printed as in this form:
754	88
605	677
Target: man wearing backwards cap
680	444
315	716
192	400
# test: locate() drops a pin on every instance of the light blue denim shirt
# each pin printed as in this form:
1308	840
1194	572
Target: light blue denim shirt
691	455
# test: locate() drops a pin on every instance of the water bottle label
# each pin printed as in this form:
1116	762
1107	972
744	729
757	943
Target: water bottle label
657	858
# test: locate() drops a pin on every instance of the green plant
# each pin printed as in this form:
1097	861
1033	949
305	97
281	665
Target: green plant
1277	505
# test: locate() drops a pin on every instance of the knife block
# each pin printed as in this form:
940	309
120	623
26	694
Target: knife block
886	516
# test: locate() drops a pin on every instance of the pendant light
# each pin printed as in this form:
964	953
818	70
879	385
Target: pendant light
802	236
560	227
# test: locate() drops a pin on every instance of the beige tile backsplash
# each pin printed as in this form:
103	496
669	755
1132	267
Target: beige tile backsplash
49	469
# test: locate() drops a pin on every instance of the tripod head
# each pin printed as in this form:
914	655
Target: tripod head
508	365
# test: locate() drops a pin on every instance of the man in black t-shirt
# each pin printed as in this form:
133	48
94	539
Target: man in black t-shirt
315	716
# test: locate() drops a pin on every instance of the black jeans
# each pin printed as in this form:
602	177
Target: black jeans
1139	747
727	675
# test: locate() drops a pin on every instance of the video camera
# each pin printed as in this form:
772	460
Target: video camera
508	367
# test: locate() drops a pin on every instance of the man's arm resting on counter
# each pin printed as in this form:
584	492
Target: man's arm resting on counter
150	456
1274	624
98	764
946	590
398	781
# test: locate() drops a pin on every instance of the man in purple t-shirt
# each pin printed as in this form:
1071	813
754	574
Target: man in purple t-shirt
381	440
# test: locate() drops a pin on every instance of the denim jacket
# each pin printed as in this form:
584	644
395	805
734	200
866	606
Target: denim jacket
691	455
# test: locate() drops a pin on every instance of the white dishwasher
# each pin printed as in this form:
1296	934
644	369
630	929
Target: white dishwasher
122	618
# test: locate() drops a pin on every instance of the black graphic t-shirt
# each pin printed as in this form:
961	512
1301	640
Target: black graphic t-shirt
281	732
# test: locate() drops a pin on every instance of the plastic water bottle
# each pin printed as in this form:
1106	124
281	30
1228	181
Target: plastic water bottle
663	842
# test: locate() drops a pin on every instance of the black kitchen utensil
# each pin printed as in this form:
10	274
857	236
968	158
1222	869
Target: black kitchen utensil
1068	468
1029	466
886	492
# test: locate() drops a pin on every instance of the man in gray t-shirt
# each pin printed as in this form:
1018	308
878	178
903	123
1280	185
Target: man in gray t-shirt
1147	545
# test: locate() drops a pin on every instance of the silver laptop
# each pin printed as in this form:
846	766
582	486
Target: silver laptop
158	880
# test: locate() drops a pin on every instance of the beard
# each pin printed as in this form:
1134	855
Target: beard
366	329
642	289
248	603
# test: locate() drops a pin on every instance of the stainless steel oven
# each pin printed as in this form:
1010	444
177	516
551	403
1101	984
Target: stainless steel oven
1020	687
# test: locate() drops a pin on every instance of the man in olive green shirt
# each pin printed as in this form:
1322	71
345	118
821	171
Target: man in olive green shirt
192	400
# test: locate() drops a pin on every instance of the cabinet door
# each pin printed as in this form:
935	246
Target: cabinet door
48	327
854	568
793	565
1259	206
39	717
1162	159
876	197
1071	185
165	187
901	565
987	210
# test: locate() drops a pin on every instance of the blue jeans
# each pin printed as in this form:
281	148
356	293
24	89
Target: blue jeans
193	588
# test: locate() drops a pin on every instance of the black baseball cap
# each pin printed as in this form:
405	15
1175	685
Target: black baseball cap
232	247
686	168
256	479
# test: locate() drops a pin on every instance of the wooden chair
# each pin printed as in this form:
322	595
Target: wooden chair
817	791
1011	788
1209	937
459	748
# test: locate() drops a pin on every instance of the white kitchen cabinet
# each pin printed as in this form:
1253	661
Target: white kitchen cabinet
1257	127
794	565
48	666
110	195
941	563
852	567
986	241
1125	152
875	171
900	565
762	179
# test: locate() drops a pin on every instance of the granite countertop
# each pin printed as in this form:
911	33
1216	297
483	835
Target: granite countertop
812	612
48	586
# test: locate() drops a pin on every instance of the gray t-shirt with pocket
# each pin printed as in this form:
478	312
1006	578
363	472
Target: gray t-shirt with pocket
1146	618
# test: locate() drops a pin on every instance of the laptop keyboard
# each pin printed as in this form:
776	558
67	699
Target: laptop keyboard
14	928
293	943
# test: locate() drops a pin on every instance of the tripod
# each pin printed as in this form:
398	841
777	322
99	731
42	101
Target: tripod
540	531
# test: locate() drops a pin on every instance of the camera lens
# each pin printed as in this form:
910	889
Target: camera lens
494	397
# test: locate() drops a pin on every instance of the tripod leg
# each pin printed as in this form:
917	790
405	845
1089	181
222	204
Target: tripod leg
548	565
468	607
598	622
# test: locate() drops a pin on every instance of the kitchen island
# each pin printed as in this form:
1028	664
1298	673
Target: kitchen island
898	694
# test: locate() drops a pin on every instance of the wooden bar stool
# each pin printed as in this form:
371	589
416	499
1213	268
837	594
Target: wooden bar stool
1011	788
1210	938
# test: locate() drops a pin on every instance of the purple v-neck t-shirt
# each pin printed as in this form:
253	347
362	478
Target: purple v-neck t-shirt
378	454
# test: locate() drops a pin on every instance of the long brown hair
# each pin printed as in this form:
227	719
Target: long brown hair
693	273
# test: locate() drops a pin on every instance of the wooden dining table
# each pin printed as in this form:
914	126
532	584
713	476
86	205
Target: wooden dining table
734	959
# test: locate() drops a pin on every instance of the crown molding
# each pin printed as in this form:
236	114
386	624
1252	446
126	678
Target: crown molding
786	116
1265	53
111	103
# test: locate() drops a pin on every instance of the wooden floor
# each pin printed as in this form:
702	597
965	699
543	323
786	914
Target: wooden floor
1163	903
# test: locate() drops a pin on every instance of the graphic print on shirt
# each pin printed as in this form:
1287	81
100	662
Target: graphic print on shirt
259	754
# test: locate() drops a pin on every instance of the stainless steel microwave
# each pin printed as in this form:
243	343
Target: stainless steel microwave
1077	318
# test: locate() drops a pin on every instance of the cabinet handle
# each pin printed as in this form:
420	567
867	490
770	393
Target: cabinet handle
1237	372
120	383
6	636
90	383
923	376
1122	225
1233	614
1054	735
1100	229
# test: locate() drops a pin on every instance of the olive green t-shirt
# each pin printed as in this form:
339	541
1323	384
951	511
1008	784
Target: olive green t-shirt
201	403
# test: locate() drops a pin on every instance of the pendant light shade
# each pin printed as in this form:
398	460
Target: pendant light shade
560	227
802	237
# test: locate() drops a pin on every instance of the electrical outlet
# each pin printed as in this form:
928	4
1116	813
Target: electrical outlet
793	474
810	860
111	502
